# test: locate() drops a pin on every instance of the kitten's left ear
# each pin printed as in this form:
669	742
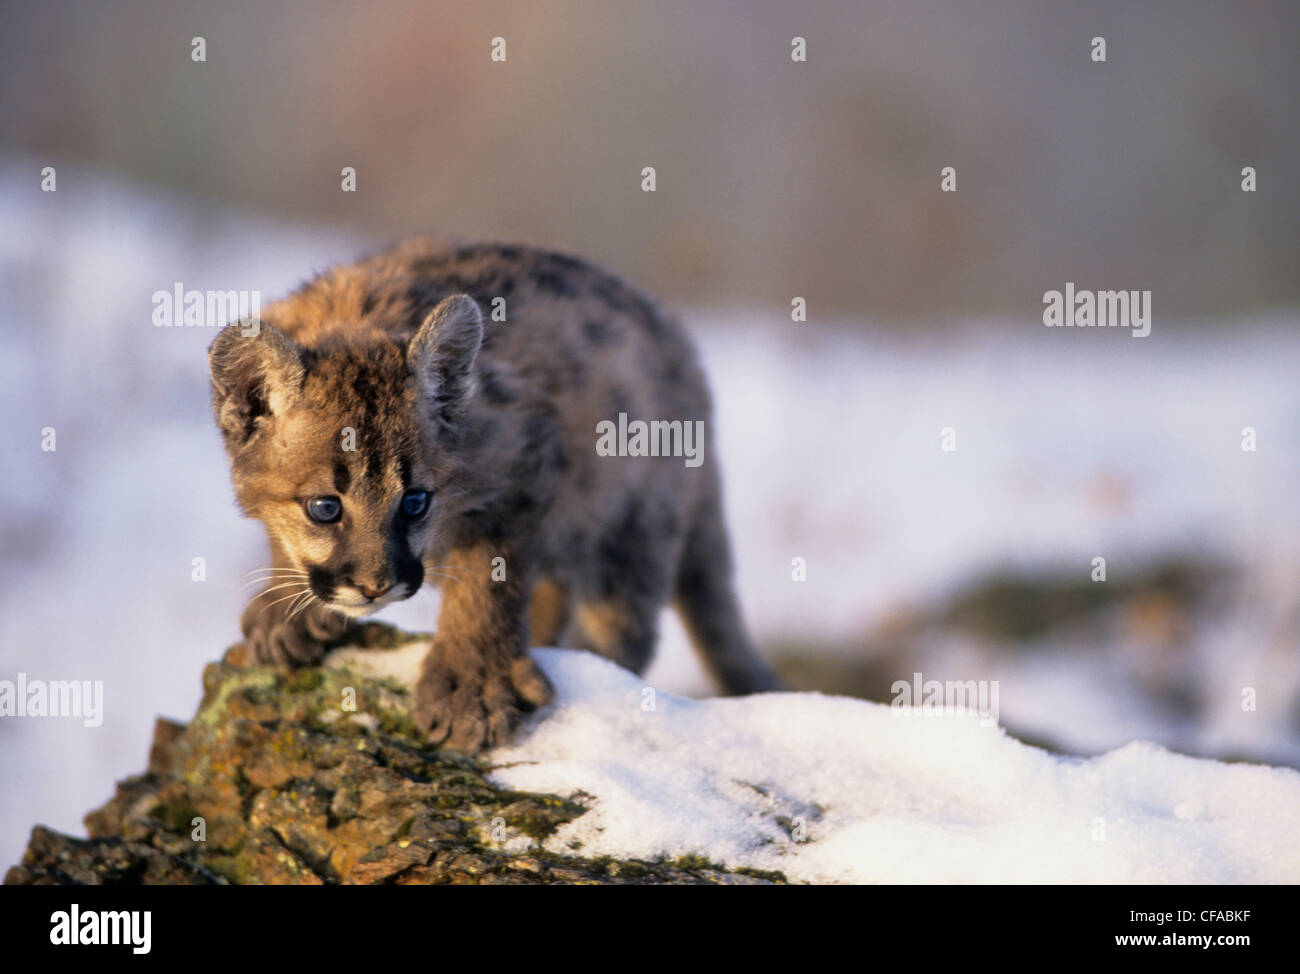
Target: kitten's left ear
442	354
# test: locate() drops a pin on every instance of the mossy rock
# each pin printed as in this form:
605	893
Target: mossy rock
319	777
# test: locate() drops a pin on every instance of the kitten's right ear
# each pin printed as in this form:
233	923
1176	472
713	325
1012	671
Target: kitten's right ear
442	354
256	371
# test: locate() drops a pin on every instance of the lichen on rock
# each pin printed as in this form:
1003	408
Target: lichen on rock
319	777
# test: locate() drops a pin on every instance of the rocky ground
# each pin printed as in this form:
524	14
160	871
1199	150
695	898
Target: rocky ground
318	777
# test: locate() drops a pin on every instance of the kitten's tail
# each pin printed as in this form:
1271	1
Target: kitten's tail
706	602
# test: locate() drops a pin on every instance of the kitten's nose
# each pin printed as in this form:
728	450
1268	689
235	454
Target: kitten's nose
374	593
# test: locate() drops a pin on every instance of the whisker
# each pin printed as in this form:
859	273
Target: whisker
297	608
269	578
279	575
441	572
286	598
280	586
263	579
292	595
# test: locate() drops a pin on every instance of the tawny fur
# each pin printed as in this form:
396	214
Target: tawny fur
529	528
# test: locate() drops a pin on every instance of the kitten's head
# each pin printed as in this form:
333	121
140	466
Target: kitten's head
345	451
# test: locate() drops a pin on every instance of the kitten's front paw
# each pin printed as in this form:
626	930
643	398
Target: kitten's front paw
275	635
472	705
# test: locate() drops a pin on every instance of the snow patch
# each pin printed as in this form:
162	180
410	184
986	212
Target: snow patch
876	798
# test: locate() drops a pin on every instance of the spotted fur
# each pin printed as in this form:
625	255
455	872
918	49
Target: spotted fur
532	536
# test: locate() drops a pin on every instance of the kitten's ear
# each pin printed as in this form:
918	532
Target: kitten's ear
256	372
442	353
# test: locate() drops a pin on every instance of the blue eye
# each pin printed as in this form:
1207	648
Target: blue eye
324	510
415	503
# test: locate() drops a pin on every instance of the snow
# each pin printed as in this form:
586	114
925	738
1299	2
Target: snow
881	797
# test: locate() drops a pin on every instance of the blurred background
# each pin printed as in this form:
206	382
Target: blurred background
774	179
